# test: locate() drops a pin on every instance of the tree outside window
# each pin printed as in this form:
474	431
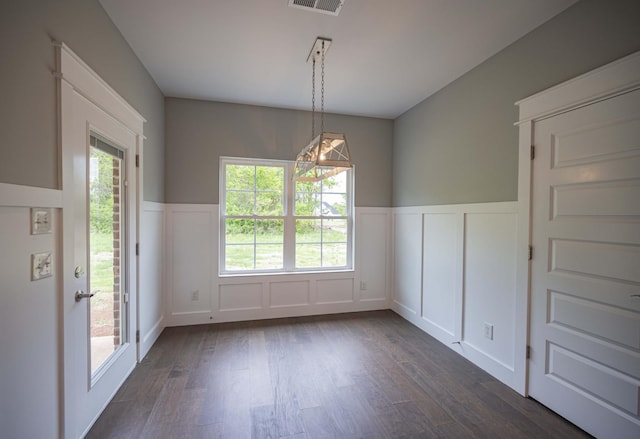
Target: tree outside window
271	223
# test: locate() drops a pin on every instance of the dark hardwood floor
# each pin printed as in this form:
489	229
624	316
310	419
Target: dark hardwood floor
364	375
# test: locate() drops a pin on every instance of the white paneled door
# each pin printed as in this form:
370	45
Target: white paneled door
99	267
585	284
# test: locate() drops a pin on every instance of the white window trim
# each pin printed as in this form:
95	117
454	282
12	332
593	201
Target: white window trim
289	221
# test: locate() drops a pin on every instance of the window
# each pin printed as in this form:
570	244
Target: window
321	215
269	223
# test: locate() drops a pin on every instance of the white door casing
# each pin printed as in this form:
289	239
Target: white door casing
585	232
87	104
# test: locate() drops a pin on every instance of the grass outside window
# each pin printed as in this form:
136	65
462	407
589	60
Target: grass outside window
270	223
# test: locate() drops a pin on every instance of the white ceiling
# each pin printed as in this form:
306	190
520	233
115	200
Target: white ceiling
386	55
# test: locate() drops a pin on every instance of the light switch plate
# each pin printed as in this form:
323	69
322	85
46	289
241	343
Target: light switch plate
41	265
40	220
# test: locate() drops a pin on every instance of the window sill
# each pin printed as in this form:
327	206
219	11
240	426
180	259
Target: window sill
313	273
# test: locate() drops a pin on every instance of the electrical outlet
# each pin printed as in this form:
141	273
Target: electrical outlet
363	285
195	295
41	265
488	331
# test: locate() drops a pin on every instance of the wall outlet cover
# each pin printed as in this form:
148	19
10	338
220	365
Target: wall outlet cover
488	331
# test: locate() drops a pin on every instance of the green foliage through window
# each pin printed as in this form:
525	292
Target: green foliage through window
259	203
101	166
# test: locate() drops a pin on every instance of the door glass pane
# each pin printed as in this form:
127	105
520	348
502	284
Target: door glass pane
106	239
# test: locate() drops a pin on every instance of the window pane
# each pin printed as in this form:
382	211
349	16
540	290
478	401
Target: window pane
269	256
307	204
334	255
334	230
239	257
334	204
308	186
240	177
239	231
269	204
105	247
336	183
270	231
309	230
269	178
308	255
240	203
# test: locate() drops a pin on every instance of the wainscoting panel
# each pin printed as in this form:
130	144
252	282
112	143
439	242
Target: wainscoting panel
151	275
440	268
30	322
454	277
284	294
190	265
197	294
490	289
334	291
240	297
373	256
407	261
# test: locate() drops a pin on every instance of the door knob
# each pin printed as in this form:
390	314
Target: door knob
82	295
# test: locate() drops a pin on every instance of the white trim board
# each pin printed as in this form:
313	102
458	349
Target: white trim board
29	196
609	80
86	82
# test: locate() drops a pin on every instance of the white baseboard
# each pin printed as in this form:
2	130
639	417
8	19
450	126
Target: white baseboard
148	339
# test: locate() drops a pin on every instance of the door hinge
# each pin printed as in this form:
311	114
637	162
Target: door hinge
137	249
528	352
137	160
138	336
125	297
533	152
530	252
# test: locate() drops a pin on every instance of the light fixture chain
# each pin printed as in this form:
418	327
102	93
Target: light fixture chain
313	101
322	92
327	154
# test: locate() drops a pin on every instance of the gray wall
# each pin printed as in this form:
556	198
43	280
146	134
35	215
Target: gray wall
199	132
28	129
460	145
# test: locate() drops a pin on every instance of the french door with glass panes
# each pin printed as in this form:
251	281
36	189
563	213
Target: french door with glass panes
99	262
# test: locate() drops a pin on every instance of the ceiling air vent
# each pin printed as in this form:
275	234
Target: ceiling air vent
330	7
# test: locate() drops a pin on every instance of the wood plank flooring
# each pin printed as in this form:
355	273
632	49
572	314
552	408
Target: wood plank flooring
364	375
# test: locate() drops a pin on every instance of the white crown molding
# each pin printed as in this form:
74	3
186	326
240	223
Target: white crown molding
85	81
615	78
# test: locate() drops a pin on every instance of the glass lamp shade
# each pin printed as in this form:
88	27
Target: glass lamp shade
325	156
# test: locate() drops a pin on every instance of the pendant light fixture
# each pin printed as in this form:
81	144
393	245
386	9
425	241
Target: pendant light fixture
328	153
